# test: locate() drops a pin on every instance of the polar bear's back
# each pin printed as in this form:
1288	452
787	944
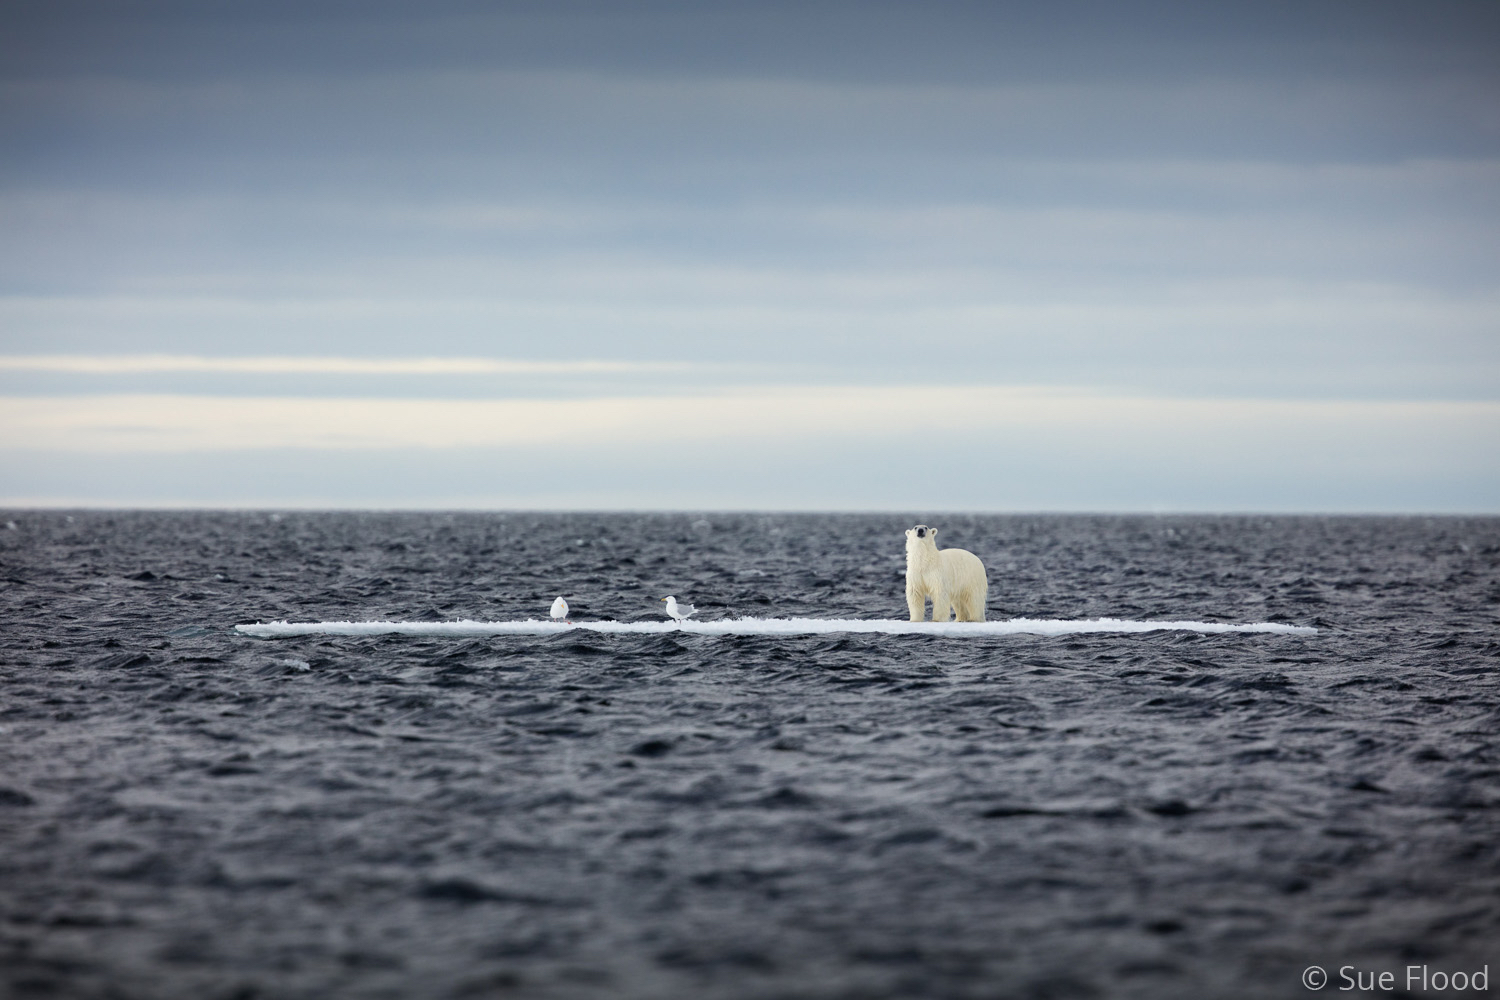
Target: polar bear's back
962	571
960	563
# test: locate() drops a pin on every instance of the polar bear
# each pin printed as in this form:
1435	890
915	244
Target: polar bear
953	578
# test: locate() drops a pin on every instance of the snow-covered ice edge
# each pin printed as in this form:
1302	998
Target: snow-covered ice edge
763	626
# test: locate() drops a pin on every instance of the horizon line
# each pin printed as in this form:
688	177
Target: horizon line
10	505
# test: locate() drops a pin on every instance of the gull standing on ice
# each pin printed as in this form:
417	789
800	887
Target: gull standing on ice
680	613
560	610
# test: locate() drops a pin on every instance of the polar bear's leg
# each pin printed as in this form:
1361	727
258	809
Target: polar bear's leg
971	606
942	607
916	605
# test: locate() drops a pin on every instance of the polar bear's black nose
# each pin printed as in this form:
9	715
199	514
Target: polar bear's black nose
921	531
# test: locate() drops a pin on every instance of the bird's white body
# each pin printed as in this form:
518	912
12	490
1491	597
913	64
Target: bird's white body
560	609
679	611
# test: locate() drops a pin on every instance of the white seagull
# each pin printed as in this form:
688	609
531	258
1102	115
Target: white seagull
679	612
560	610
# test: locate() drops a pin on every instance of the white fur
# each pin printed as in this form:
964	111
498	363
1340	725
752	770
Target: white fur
953	578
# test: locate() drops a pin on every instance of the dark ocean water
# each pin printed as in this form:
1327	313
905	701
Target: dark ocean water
187	812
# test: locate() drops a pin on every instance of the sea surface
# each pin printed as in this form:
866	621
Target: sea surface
189	812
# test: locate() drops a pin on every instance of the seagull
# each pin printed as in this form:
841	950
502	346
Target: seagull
560	610
679	613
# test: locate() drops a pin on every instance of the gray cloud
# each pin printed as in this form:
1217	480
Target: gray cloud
1293	201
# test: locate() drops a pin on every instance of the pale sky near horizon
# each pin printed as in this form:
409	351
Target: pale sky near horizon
872	256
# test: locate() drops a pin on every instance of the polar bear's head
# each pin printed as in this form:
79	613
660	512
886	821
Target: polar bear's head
921	536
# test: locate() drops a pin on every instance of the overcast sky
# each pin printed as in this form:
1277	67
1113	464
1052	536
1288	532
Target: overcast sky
920	256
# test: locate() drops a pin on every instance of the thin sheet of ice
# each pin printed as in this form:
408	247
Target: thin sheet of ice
762	626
